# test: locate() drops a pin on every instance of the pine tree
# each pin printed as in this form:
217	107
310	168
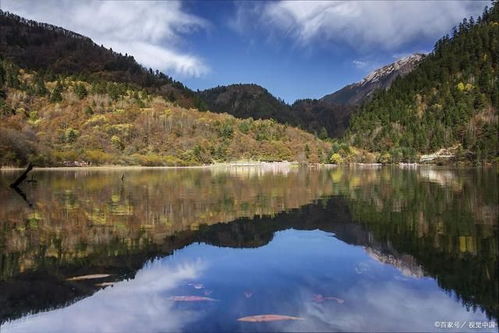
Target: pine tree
56	95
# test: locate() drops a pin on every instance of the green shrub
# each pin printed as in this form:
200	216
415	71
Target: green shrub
117	143
225	130
88	110
245	126
70	135
385	158
56	95
80	91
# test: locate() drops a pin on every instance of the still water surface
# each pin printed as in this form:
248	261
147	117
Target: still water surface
341	249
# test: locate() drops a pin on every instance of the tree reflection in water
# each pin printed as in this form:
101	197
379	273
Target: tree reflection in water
432	222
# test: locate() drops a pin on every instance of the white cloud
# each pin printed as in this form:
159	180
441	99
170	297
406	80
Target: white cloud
367	65
138	305
151	31
363	24
360	64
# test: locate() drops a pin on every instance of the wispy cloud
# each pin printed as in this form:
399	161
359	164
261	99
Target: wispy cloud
138	305
367	302
364	25
151	31
360	64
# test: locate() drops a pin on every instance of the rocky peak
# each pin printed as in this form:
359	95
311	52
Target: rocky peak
381	78
403	65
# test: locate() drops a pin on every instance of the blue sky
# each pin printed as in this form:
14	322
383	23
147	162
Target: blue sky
295	49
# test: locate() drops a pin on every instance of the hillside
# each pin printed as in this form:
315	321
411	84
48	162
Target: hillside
51	50
74	122
323	118
253	101
381	78
247	101
327	116
449	100
65	99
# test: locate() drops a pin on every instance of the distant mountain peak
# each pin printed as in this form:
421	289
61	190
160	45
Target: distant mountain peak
381	78
400	65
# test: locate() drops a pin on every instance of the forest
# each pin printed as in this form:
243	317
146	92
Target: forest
70	122
449	100
51	51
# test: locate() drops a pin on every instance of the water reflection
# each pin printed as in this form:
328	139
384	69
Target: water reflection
137	305
372	299
427	237
78	214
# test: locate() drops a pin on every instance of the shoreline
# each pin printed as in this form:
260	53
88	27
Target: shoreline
136	167
244	165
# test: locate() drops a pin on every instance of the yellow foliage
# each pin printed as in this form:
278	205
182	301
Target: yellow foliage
152	132
97	119
385	158
464	87
336	158
65	155
97	156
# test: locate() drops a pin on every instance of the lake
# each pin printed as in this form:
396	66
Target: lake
208	249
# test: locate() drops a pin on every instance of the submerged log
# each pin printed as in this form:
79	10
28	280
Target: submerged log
88	277
268	317
22	177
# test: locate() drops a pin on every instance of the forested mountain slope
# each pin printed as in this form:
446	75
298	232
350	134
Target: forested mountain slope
449	100
323	118
327	116
247	101
50	50
253	101
71	122
381	78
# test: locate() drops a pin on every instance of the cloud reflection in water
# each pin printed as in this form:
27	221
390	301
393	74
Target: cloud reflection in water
282	278
138	305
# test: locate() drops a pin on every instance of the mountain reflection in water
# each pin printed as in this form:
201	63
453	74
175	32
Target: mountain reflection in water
428	249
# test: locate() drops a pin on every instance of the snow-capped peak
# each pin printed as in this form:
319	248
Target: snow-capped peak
401	64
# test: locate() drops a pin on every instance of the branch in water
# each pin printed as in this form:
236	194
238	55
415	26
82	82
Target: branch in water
22	177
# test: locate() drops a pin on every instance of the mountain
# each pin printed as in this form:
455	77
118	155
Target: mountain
253	101
247	101
75	122
327	116
449	100
446	100
332	112
382	78
51	50
66	101
323	118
